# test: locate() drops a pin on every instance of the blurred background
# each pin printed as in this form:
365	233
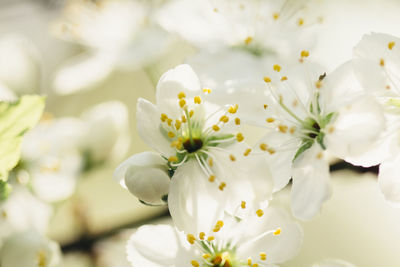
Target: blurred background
93	74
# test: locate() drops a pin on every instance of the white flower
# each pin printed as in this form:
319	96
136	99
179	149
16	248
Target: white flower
30	249
22	211
200	143
258	27
307	113
50	158
118	34
378	68
263	239
105	135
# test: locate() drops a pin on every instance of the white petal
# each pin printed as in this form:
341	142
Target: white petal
278	248
344	140
27	249
82	73
333	263
310	186
389	180
195	203
156	246
149	127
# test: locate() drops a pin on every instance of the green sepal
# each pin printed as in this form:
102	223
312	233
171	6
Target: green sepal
306	144
5	190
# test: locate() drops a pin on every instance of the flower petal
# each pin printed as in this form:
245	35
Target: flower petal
310	186
389	180
148	127
333	263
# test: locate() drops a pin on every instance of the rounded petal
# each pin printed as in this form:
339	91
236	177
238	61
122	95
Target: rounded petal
310	186
149	127
157	246
343	140
278	247
27	249
195	204
389	180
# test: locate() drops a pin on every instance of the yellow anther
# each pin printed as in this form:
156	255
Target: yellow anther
265	106
390	45
216	229
222	186
267	79
178	124
182	103
210	162
249	262
300	21
224	119
248	40
255	265
387	87
237	121
277	68
169	121
263	256
211	178
282	128
318	84
195	263
382	62
184	119
284	78
275	16
260	212
295	103
206	90
220	223
320	155
331	129
164	117
41	259
177	144
243	205
240	137
215	9
210	238
215	127
190	238
202	235
206	256
171	135
191	113
181	95
263	147
173	159
197	100
232	157
233	109
269	120
304	53
217	260
278	231
271	151
292	129
247	152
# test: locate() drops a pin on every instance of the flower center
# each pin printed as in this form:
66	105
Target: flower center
192	145
222	260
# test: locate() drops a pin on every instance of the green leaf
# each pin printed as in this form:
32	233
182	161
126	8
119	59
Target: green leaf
5	190
15	119
306	144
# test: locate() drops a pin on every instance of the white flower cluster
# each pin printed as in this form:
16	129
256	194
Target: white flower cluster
217	180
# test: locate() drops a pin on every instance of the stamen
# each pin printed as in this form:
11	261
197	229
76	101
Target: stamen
169	121
240	137
232	157
202	235
184	119
190	238
382	62
278	231
292	129
390	45
275	16
215	128
249	262
206	90
206	256
247	152
243	205
300	22
197	100
224	119
173	159
171	135
178	124
263	256
260	212
195	263
182	103
211	178
237	121
265	106
284	78
164	117
277	68
304	53
222	186
271	151
269	120
282	128
248	40
263	146
233	109
267	79
181	95
320	155
210	162
191	113
210	238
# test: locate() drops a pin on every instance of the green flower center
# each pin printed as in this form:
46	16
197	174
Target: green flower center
193	145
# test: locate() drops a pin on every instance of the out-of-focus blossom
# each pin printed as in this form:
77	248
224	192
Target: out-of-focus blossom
201	146
118	34
21	212
262	239
307	113
30	249
112	252
333	263
19	66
